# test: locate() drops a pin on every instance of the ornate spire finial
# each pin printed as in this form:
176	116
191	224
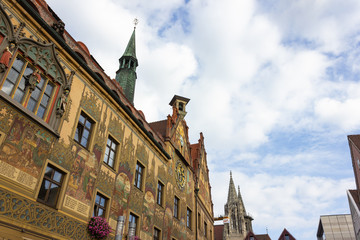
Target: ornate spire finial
136	21
230	174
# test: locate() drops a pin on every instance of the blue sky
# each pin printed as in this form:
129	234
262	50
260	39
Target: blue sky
274	87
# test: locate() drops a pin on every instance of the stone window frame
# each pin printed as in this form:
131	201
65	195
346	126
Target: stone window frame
90	141
158	231
61	195
189	218
115	142
132	215
99	205
176	209
160	199
139	184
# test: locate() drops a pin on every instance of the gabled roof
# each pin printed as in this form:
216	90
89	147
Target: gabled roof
286	233
355	139
262	237
251	234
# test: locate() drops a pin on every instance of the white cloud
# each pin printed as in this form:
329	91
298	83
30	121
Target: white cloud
284	201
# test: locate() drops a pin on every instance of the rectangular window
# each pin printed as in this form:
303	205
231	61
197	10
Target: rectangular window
138	175
156	234
133	219
83	130
51	186
188	218
110	151
205	229
160	190
287	237
28	87
176	207
100	205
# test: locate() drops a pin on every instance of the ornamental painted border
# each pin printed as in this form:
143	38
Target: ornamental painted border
37	216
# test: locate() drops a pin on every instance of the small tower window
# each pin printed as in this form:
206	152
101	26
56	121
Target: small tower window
181	106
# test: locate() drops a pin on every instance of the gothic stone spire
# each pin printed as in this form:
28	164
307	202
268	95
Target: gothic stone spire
232	191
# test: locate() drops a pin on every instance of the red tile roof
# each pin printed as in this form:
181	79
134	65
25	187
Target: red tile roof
159	127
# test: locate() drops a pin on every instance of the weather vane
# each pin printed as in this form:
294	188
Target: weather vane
136	21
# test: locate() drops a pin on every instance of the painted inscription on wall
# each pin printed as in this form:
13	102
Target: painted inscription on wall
76	206
8	171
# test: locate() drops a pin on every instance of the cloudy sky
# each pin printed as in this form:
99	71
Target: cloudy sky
273	86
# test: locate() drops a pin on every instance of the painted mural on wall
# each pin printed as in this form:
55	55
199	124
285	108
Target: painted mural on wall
24	151
147	213
82	176
124	177
121	193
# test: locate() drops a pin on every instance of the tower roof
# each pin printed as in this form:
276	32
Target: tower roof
130	50
232	191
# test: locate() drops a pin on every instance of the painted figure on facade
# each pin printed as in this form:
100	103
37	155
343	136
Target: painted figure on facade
5	59
77	170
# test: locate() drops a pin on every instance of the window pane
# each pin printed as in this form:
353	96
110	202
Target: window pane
36	93
18	64
49	89
31	104
43	189
40	112
84	142
82	119
48	172
113	146
53	193
88	124
57	176
28	71
97	200
112	155
86	133
102	202
7	87
19	95
20	91
111	163
100	212
107	151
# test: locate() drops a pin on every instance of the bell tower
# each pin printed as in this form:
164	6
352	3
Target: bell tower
179	103
126	75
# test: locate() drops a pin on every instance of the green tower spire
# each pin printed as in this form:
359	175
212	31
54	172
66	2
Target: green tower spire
126	75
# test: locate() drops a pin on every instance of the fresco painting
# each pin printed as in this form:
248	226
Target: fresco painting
82	176
26	147
121	193
148	211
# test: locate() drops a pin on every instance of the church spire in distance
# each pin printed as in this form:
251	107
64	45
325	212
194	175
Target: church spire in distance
232	190
126	75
